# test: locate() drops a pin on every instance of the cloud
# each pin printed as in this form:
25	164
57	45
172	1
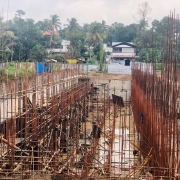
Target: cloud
87	11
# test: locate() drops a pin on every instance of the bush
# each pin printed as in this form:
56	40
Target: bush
12	71
92	60
158	66
58	57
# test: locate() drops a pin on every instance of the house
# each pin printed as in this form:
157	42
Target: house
70	59
123	52
48	33
64	45
63	49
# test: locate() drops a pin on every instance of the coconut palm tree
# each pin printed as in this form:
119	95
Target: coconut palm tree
73	33
72	27
96	34
54	24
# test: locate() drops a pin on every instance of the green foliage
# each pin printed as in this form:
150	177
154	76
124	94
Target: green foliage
158	66
19	13
37	53
74	33
95	34
96	51
122	33
23	39
92	60
53	24
29	35
145	55
11	70
101	57
7	54
158	56
58	57
7	39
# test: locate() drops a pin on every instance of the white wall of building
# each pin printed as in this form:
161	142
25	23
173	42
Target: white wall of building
127	50
106	48
117	68
63	49
65	45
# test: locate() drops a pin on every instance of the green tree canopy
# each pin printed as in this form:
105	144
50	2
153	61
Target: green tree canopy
95	34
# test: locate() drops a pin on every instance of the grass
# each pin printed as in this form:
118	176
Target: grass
11	70
95	74
57	68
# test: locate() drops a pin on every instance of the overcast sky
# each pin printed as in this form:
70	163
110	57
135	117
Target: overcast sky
87	11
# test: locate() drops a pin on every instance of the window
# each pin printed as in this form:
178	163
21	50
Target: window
117	50
120	50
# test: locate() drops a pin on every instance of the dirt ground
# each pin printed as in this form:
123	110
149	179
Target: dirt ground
95	75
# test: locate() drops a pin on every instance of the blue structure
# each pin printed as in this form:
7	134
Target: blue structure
46	67
41	67
114	39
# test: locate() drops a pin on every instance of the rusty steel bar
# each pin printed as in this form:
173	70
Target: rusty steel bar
155	105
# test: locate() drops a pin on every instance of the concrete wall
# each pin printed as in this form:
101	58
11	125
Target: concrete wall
118	87
12	105
116	68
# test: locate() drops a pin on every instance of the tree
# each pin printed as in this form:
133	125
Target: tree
43	25
7	40
95	34
19	13
156	26
23	39
72	28
122	33
104	27
37	53
28	34
131	32
54	24
74	34
143	12
102	57
144	40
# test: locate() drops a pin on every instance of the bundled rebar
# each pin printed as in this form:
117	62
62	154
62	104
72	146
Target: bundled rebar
155	102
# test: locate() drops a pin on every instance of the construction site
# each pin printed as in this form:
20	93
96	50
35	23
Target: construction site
71	124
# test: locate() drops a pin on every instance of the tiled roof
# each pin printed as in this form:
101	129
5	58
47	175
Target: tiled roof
69	56
48	33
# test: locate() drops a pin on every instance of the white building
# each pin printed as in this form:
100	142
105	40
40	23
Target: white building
108	51
122	51
63	49
121	56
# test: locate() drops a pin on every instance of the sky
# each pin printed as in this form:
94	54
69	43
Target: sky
87	11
